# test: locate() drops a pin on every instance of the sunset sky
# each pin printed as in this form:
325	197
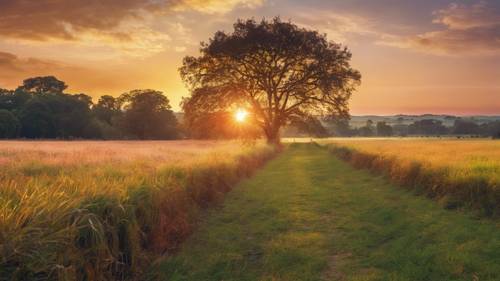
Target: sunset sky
423	56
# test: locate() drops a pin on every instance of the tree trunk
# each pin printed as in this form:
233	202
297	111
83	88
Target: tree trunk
273	135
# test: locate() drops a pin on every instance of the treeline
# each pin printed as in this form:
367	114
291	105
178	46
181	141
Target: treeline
40	108
426	127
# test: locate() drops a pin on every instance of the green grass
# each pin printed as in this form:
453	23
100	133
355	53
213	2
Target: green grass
309	216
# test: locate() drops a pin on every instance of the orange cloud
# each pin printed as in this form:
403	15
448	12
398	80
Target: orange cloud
13	67
462	17
473	29
338	27
96	80
216	6
126	25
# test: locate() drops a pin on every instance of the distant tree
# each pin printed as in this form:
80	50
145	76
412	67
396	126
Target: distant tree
9	124
97	129
341	127
109	102
85	99
427	127
13	100
491	129
44	110
48	112
383	129
367	130
278	70
107	108
311	126
37	120
464	127
43	85
400	130
148	115
71	112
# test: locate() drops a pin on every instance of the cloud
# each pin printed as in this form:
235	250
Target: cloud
183	36
12	63
463	17
468	29
122	24
216	6
338	27
95	80
13	68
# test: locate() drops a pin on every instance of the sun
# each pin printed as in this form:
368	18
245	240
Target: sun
240	115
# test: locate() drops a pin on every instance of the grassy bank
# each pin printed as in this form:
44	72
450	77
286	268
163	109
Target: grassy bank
457	173
101	210
310	216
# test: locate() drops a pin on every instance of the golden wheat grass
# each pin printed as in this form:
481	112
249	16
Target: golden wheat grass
457	171
92	210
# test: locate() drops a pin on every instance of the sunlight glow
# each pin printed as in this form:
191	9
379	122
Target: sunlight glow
240	115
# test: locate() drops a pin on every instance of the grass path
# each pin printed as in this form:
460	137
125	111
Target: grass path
309	216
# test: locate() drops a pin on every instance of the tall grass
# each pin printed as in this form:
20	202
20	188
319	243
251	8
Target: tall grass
456	172
101	210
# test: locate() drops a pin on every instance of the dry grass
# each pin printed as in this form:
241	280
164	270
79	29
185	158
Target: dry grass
91	152
455	171
96	210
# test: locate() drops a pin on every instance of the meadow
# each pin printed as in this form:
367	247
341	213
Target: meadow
457	172
89	210
309	216
139	210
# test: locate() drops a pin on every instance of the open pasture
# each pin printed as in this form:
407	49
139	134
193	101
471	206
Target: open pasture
101	152
456	171
92	210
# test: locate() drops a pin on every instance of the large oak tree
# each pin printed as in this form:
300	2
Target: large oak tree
280	71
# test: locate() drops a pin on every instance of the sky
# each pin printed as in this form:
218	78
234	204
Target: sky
415	57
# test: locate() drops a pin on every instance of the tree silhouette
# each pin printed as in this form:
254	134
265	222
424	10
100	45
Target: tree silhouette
148	115
107	108
279	71
383	129
37	120
9	124
43	85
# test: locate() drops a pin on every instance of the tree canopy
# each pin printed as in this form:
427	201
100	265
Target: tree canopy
43	85
148	115
9	124
279	71
40	108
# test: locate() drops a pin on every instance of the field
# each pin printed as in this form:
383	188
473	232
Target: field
154	210
309	216
456	172
96	210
